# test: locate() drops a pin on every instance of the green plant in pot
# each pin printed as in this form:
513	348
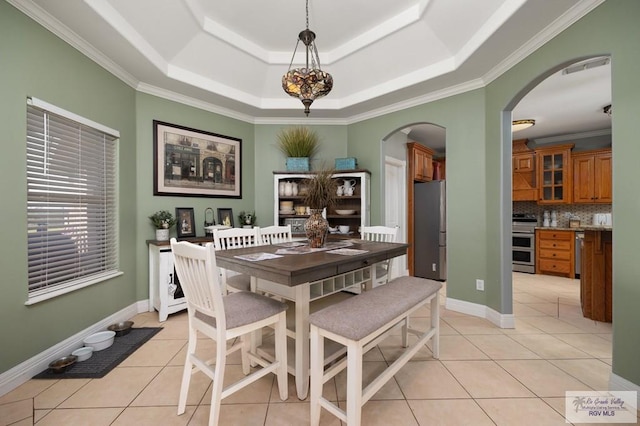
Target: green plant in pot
321	194
247	219
299	144
162	220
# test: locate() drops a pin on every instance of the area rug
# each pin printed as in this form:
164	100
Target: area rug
103	361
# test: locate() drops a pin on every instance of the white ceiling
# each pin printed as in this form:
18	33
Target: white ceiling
228	56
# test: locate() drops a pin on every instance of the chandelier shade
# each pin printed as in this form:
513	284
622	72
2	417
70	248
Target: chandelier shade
310	82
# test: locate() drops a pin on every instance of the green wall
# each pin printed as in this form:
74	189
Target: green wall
149	108
36	63
610	29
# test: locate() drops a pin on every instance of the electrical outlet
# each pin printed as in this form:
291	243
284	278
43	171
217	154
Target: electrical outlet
480	285
433	267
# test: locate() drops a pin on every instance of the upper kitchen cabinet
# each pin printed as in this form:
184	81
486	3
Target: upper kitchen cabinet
554	174
524	168
420	162
592	173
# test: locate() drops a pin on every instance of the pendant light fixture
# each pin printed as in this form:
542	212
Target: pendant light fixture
308	83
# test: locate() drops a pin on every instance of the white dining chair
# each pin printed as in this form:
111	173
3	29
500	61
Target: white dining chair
224	239
276	234
224	318
386	234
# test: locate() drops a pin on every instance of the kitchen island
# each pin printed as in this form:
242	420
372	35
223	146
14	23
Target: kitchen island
596	274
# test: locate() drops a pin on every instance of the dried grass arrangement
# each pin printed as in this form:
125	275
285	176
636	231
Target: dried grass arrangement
321	190
298	141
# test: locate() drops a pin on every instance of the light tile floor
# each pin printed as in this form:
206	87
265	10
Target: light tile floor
485	375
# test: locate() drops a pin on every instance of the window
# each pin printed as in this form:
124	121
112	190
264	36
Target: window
71	201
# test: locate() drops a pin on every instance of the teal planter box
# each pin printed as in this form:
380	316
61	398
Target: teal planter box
349	163
297	164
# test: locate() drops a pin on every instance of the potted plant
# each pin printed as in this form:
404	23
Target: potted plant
298	144
321	194
163	221
247	219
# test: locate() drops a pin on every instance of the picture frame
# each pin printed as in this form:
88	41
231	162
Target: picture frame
225	217
185	222
194	163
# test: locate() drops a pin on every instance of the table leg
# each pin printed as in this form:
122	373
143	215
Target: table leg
302	301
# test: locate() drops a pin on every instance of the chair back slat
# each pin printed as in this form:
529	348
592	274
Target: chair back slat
385	234
197	271
276	234
225	239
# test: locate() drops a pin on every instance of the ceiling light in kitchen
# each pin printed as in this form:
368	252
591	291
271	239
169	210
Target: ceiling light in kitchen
518	125
588	64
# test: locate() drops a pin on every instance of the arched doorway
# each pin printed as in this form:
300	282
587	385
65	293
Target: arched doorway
562	86
394	156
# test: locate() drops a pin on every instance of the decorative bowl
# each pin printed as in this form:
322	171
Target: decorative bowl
101	340
345	212
83	354
121	328
60	365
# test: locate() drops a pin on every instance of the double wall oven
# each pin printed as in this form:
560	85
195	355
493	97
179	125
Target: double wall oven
523	237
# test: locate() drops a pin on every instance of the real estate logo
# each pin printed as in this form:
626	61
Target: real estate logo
601	406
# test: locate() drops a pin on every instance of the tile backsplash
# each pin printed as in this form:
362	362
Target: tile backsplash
583	211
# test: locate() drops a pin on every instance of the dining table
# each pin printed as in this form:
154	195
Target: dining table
293	271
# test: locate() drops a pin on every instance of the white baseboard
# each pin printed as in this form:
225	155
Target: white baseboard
617	383
482	311
24	371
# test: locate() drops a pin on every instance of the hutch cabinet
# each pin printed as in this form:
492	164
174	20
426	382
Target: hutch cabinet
592	176
555	252
350	210
554	174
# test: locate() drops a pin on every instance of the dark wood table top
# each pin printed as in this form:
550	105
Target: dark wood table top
295	269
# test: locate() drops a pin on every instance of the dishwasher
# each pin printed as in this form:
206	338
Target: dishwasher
578	253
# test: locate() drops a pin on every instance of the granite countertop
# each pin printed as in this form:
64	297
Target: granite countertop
579	228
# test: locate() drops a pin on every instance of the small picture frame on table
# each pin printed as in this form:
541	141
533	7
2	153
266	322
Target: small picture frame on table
225	217
185	225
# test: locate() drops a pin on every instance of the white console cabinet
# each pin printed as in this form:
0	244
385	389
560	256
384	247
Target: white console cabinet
165	293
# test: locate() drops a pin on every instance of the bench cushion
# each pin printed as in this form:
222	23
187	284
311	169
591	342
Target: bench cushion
361	315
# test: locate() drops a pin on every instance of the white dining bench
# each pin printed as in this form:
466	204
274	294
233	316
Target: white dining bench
360	323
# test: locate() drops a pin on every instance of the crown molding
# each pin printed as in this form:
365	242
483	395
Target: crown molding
49	22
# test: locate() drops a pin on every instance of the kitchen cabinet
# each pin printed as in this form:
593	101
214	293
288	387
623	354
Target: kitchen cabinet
165	293
359	203
420	162
555	251
592	177
523	173
554	174
596	278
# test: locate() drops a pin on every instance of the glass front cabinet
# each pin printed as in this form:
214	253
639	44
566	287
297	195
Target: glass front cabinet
554	174
351	211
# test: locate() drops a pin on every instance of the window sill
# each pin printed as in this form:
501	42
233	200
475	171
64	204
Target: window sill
42	295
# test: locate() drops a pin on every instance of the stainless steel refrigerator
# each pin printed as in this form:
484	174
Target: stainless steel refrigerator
430	230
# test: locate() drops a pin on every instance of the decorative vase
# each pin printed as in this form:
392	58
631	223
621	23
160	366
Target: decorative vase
162	235
316	227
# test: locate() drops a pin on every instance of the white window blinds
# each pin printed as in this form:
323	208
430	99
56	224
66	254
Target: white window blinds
71	201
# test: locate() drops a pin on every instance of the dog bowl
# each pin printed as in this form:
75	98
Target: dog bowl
83	354
121	328
101	340
60	365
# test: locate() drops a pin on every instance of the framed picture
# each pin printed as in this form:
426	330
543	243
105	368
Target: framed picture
185	224
225	217
193	163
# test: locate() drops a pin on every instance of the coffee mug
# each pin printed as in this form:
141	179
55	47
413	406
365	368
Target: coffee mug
344	229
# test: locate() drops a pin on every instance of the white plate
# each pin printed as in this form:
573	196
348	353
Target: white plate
345	212
287	212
